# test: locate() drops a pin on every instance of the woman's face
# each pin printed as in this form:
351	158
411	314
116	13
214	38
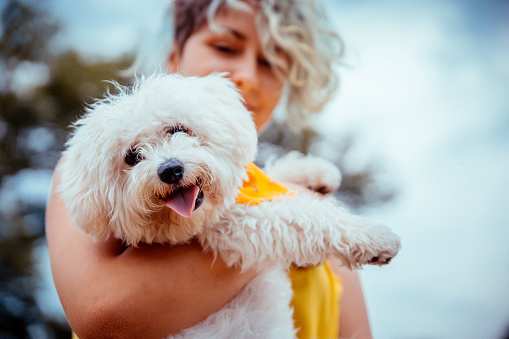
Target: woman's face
234	49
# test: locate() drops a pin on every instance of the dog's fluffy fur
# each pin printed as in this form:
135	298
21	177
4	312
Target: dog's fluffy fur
112	183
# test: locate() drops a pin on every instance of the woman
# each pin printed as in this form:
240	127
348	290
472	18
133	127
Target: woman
108	290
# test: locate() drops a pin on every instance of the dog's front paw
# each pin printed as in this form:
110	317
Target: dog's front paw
378	248
313	172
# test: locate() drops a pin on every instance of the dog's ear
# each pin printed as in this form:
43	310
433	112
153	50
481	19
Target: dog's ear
88	172
88	211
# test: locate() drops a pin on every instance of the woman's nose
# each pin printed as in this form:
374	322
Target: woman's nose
245	73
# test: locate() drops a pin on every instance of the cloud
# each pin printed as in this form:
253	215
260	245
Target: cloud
422	94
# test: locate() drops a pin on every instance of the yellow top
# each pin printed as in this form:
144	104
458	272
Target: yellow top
317	291
317	295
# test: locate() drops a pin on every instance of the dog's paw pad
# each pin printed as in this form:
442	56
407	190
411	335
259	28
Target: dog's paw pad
382	259
321	189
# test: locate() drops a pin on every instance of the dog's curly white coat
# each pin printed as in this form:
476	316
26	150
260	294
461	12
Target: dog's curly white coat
203	123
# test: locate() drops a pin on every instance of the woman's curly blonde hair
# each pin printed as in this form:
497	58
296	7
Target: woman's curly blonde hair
295	39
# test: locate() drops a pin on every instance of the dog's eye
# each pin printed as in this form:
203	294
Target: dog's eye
132	158
177	129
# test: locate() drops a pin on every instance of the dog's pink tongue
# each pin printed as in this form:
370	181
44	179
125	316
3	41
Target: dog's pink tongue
183	200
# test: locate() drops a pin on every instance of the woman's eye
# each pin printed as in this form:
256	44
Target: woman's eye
132	158
177	129
225	49
264	63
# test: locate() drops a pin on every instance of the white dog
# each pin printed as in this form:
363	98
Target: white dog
164	161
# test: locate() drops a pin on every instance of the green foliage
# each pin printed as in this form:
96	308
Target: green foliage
26	30
33	122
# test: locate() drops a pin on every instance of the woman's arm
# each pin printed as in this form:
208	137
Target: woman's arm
107	290
353	319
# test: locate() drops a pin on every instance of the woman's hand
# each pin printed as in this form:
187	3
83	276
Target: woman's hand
108	290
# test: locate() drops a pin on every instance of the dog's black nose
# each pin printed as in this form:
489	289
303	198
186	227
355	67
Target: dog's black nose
171	172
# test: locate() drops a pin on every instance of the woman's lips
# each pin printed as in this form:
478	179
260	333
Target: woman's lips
248	107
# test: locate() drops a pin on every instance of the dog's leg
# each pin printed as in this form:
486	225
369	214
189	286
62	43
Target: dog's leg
305	230
313	172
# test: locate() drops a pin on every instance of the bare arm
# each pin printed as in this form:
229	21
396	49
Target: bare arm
109	291
354	321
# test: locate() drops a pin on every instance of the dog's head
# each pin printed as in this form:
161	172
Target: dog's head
158	160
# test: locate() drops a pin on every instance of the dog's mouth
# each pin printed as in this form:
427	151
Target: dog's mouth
184	200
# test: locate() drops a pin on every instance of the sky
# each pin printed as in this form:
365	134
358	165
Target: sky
424	87
102	29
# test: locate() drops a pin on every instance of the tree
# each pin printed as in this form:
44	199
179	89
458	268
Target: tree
34	116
